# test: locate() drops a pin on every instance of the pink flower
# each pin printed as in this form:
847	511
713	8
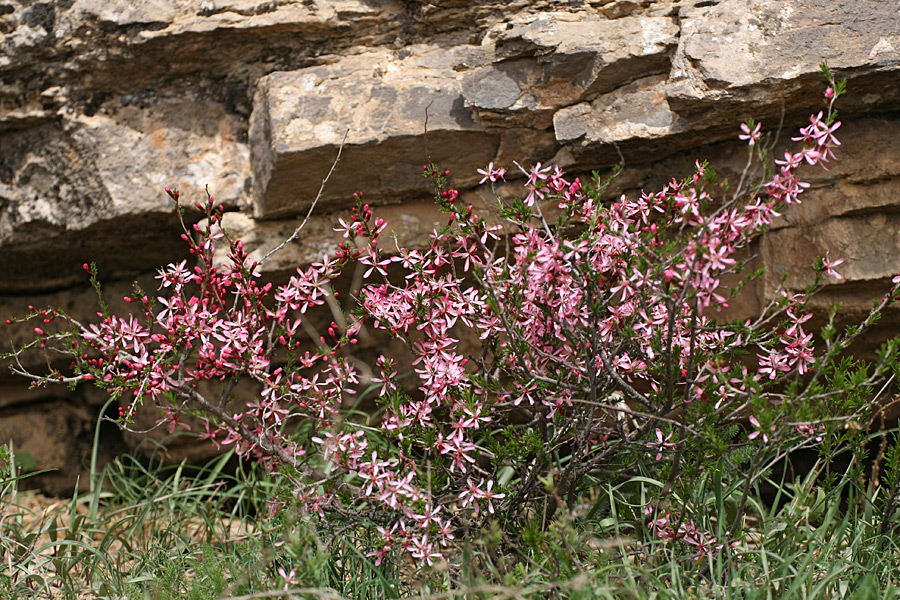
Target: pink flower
759	430
537	174
807	430
475	492
662	443
490	173
829	266
750	136
289	578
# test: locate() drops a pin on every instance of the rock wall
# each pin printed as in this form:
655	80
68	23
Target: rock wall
103	103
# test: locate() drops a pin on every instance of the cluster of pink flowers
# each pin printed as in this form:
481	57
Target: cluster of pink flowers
210	323
672	528
610	299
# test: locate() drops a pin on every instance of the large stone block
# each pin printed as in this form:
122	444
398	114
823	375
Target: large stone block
862	181
541	63
737	60
399	110
869	244
634	119
94	52
92	188
746	55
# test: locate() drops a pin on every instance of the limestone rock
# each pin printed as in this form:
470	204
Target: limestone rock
398	110
631	119
754	55
183	143
736	60
545	62
93	189
868	243
852	207
616	9
860	182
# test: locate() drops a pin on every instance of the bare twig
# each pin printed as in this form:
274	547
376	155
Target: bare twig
312	206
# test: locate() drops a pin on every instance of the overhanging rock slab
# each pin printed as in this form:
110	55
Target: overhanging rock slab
543	62
398	109
752	57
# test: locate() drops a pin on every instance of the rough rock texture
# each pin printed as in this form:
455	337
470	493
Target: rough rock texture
103	103
394	108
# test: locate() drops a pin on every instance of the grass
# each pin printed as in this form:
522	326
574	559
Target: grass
171	532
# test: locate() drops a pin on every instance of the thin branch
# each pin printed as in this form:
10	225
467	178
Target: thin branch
312	207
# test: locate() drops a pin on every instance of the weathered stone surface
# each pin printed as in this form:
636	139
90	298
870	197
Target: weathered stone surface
752	54
116	44
94	189
633	119
616	9
862	181
545	62
869	244
849	210
736	60
183	143
398	110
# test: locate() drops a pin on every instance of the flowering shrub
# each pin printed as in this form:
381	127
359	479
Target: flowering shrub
599	354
